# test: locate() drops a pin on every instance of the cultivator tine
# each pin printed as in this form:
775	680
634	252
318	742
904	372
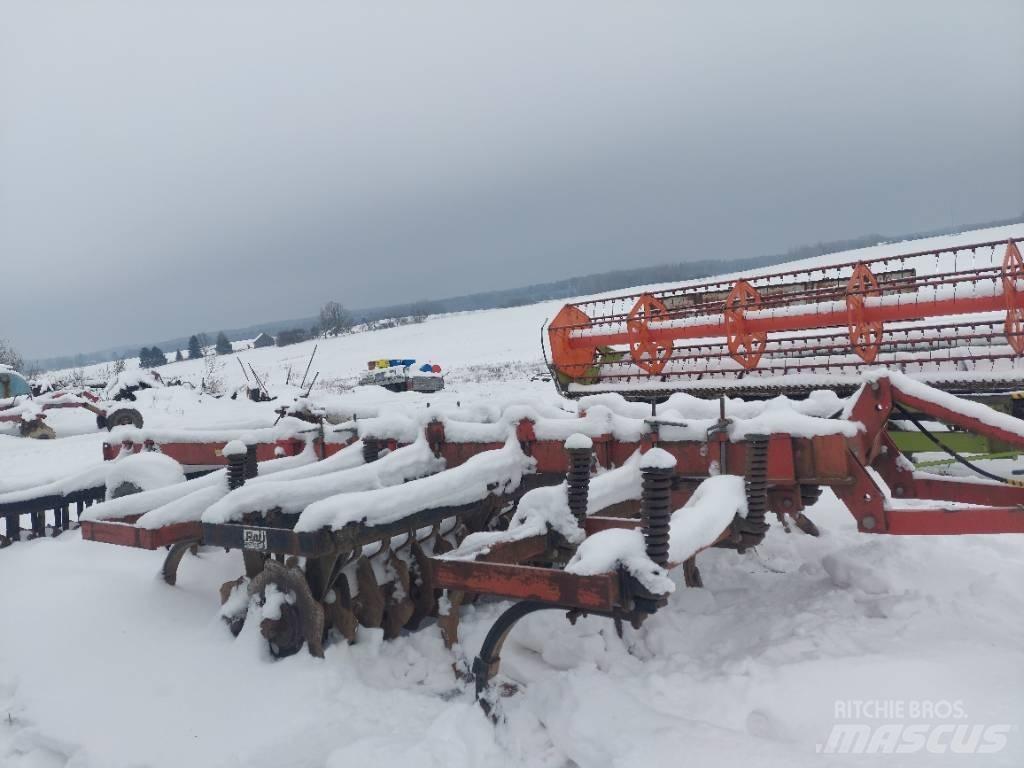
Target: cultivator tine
339	612
399	605
423	594
236	621
169	570
448	616
805	524
441	545
691	573
370	601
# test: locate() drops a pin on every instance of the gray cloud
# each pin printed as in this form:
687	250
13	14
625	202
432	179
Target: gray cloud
200	165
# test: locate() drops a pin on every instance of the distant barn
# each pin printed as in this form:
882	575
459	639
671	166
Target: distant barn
263	340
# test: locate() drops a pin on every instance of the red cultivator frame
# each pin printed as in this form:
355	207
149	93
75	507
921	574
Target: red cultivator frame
199	455
821	321
330	573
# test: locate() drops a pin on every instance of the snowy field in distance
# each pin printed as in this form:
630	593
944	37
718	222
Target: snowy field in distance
104	666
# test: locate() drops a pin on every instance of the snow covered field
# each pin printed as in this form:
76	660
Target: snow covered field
102	664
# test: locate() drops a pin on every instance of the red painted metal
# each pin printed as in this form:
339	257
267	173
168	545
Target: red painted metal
646	351
1013	294
739	323
866	471
746	343
946	522
874	448
124	533
521	582
865	334
210	454
755	326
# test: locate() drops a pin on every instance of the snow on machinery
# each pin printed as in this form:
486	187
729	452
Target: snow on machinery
430	510
29	412
196	454
951	317
400	375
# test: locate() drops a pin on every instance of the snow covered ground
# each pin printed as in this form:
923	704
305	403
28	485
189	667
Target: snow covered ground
102	664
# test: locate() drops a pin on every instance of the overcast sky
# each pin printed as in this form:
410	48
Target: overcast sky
168	167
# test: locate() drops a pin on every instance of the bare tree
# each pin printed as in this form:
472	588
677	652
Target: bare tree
9	356
334	319
213	375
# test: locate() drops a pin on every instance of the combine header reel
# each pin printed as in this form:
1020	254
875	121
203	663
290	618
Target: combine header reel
953	318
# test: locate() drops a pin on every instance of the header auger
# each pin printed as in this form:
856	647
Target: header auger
953	317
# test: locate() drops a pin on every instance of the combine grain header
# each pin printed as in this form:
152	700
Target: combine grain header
951	317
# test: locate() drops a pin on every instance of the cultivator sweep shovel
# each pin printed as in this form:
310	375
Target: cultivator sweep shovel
952	317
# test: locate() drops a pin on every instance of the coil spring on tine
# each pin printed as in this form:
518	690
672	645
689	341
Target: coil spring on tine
251	466
236	471
579	481
756	479
654	513
371	449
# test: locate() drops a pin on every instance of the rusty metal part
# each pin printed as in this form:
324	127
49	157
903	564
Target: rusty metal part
36	429
169	570
691	574
486	664
448	619
302	617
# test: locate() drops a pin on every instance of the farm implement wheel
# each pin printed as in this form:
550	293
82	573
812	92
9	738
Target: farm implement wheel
37	429
745	346
293	617
865	335
123	417
1013	295
648	353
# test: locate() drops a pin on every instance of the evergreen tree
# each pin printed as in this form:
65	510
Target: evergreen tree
177	356
151	357
223	346
194	350
294	336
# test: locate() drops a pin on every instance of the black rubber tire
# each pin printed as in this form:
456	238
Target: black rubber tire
123	417
125	489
